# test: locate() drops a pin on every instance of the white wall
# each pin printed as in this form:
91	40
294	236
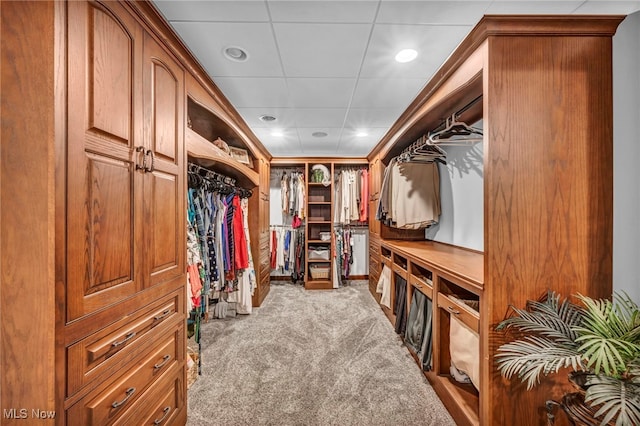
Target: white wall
626	157
461	198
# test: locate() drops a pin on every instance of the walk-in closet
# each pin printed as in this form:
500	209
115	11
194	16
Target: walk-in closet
306	212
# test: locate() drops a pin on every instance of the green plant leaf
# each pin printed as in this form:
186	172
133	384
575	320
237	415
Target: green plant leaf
614	398
550	318
533	356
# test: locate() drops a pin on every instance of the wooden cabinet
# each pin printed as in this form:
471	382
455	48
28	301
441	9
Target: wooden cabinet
261	252
547	204
94	148
124	215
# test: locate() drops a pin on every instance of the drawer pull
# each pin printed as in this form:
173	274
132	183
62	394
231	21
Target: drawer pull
166	411
129	392
162	316
165	359
453	311
125	340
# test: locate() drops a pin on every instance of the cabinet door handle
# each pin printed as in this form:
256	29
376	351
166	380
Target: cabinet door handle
453	311
144	159
129	393
125	340
162	316
153	160
166	411
165	359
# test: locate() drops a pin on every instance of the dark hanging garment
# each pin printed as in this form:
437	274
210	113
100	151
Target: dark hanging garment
400	307
418	334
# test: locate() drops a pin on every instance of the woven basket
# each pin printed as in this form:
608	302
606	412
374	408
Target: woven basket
320	272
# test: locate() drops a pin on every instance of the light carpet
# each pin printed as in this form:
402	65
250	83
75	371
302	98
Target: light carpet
310	358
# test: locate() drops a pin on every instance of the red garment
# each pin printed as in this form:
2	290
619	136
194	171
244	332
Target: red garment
195	284
274	249
241	255
364	196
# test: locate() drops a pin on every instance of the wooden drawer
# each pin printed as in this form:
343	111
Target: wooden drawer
464	313
110	401
264	242
398	269
91	357
161	404
421	285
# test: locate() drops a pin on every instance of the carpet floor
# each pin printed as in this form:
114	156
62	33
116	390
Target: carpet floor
310	358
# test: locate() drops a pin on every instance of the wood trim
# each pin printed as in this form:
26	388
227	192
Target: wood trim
292	161
147	13
27	195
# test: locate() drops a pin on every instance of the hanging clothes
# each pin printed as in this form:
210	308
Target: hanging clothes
400	308
293	196
287	250
410	195
351	196
418	335
218	242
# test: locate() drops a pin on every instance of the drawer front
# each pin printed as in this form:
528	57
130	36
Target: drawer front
160	405
464	313
400	271
107	403
265	269
422	286
94	355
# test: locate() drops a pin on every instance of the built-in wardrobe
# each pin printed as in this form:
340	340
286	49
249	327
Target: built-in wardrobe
103	108
542	88
315	220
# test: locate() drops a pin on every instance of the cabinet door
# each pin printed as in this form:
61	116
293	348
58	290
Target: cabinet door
164	192
103	187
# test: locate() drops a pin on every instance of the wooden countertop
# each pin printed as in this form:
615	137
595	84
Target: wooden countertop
460	263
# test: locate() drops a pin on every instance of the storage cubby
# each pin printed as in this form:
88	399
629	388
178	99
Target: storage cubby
422	279
318	194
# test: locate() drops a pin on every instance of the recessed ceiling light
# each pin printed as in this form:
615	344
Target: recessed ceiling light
277	133
267	118
361	134
319	134
235	53
406	55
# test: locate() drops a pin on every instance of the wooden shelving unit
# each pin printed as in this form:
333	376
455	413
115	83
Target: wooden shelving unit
547	205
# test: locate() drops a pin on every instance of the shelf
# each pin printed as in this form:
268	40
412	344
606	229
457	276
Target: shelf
318	242
327	222
319	285
204	153
319	184
320	202
318	261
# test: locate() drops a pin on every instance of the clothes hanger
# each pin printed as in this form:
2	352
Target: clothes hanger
456	133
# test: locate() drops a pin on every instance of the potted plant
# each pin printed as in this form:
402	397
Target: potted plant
599	340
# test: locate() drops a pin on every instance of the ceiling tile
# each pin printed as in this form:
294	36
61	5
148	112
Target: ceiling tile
385	92
308	140
609	7
285	117
372	117
350	138
434	44
323	11
288	142
532	7
320	92
207	40
245	92
321	50
219	10
431	12
354	150
320	117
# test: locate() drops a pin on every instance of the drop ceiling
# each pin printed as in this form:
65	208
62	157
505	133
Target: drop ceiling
328	66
